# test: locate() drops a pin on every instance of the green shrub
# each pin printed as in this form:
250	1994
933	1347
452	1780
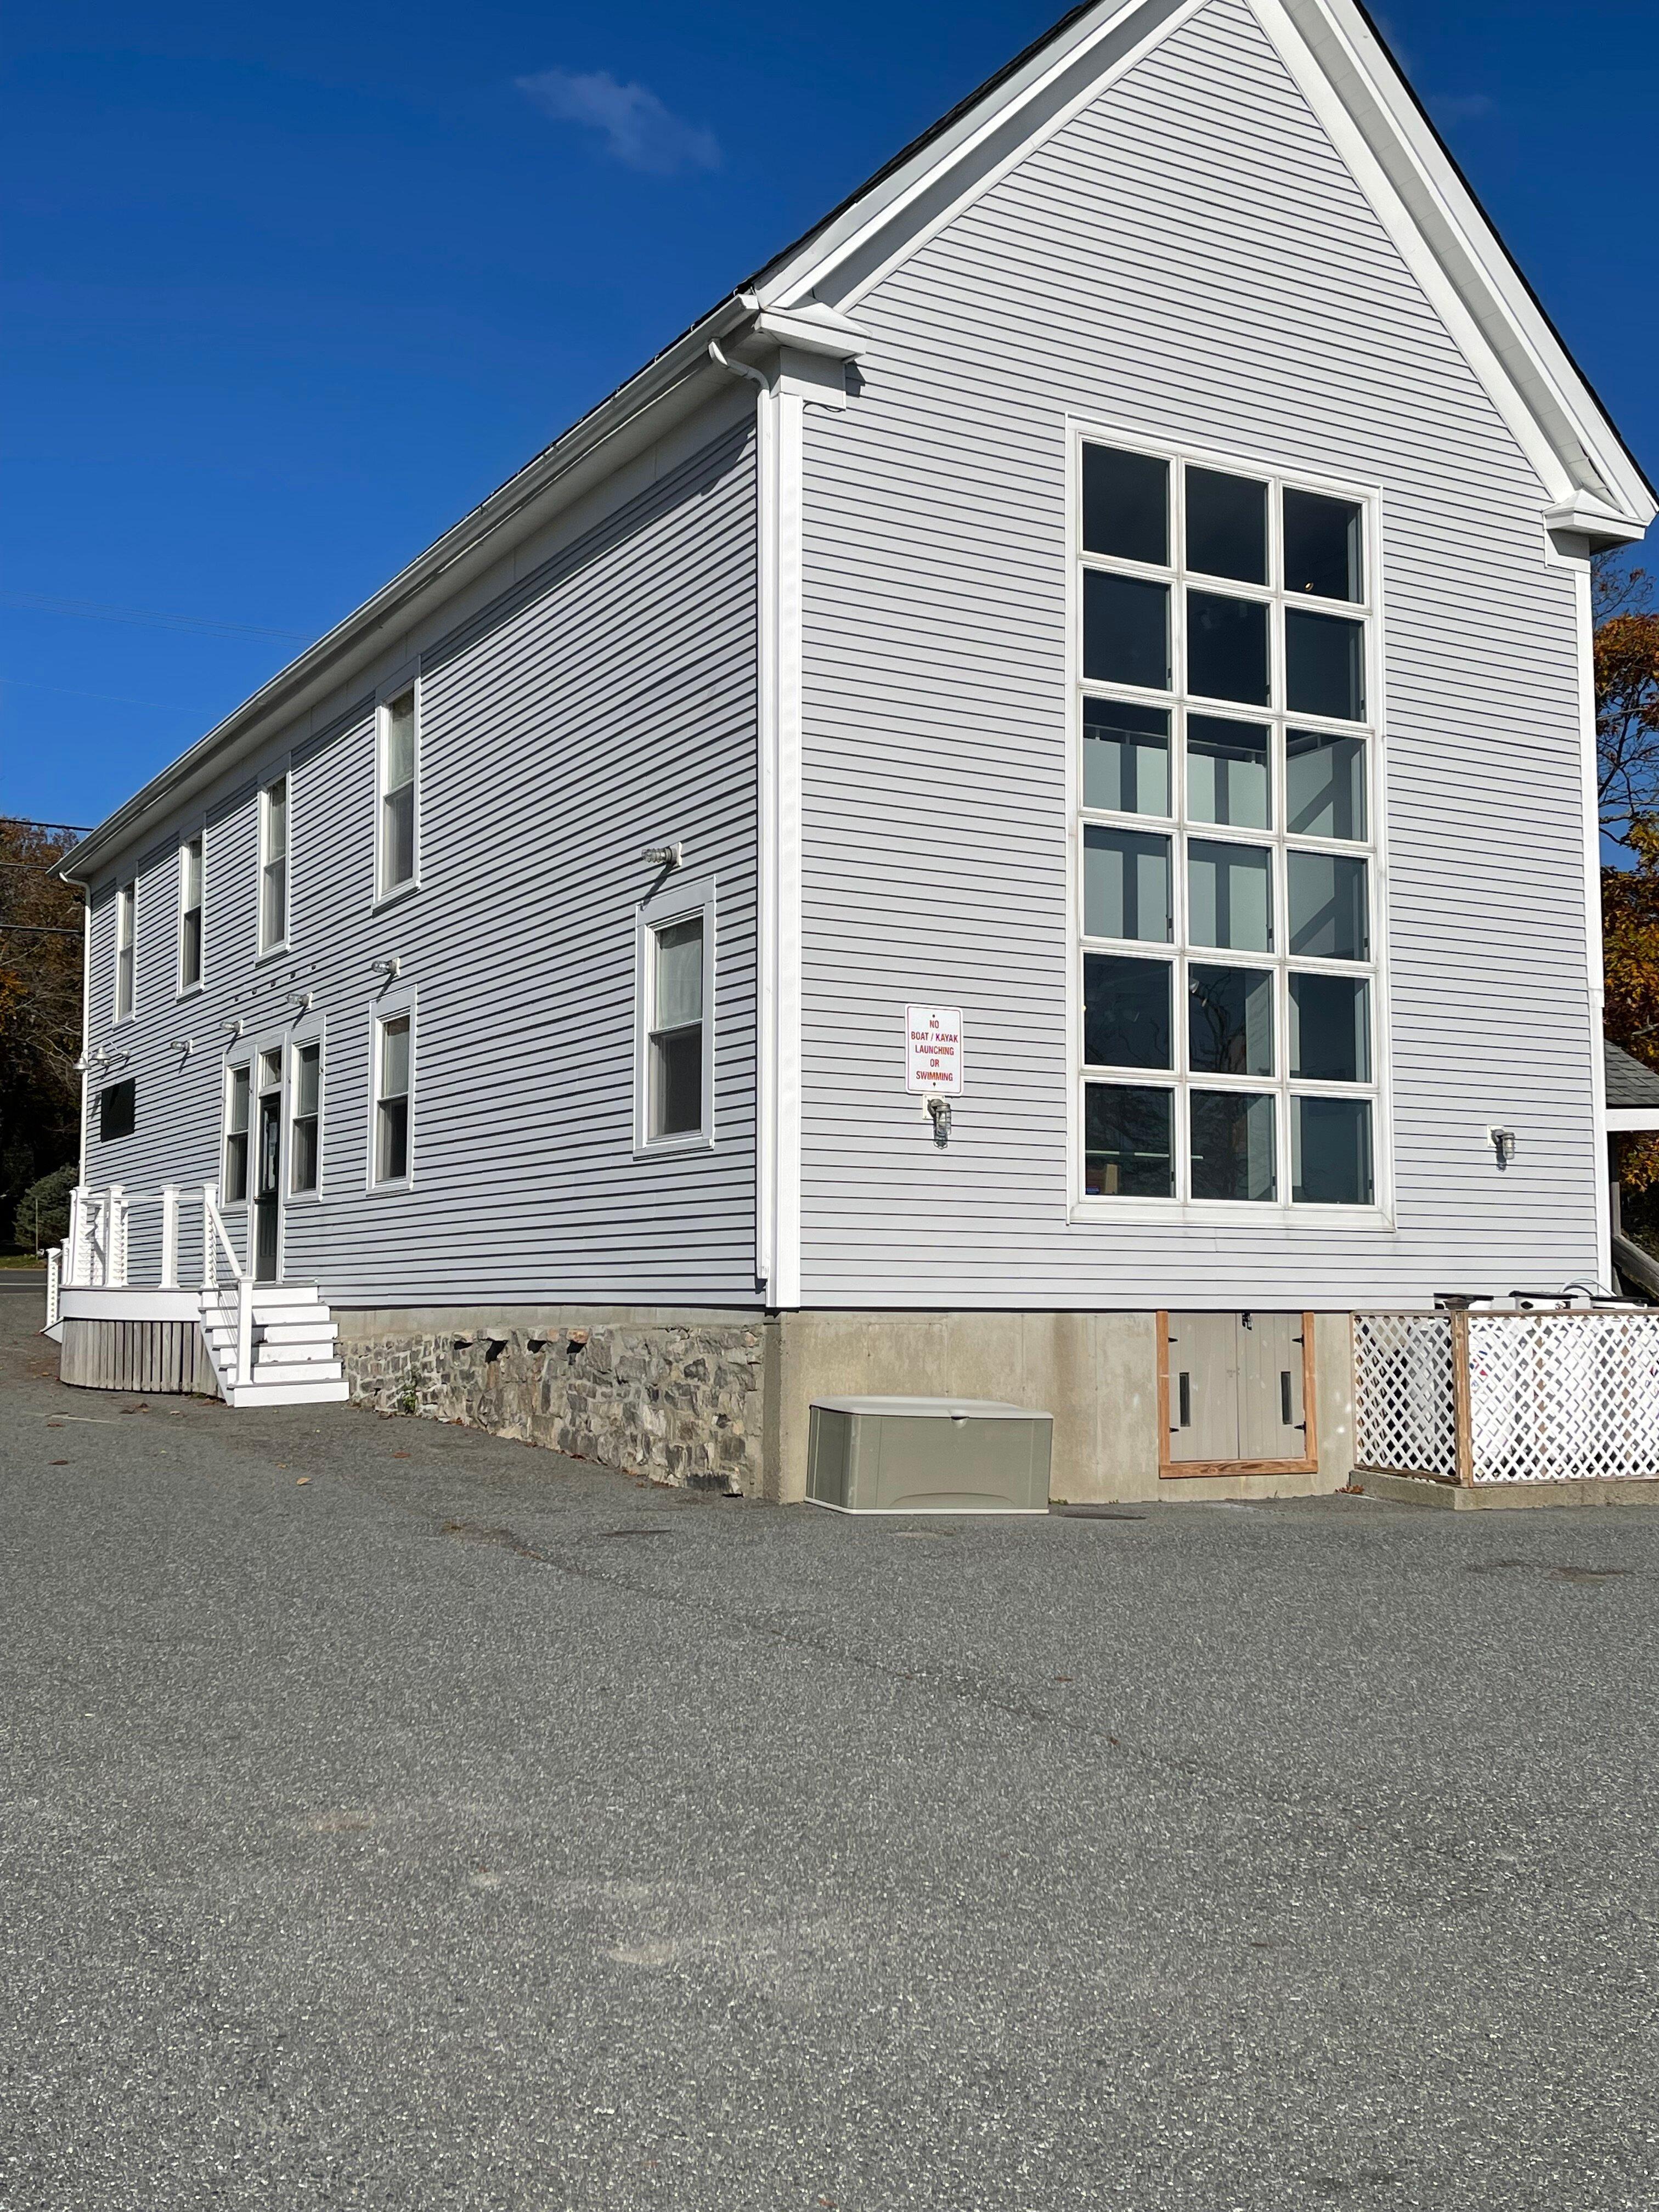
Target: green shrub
42	1215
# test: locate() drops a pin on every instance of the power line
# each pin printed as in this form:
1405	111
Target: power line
88	610
29	822
39	929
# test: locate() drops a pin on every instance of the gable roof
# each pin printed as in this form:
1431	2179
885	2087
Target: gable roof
1339	59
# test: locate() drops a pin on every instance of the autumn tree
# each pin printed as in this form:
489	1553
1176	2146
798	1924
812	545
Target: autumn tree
1627	755
40	1009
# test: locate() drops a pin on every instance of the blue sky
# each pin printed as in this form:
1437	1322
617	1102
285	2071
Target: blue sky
290	289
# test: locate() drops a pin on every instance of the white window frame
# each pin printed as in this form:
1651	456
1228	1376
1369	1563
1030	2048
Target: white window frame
309	1030
1282	1211
244	1060
676	902
270	946
407	683
124	993
197	837
394	1006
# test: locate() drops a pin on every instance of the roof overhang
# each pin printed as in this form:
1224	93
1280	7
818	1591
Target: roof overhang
1626	1120
1595	489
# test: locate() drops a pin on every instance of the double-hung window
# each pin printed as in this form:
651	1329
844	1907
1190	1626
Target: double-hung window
190	913
399	766
675	1035
393	1070
305	1116
1228	928
126	917
239	1109
273	865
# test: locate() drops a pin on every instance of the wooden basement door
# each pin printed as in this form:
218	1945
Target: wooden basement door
1236	1393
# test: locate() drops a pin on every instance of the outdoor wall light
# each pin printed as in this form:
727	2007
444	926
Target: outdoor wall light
666	856
390	968
1503	1145
940	1109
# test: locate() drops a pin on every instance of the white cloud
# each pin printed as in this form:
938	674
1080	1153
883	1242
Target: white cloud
639	131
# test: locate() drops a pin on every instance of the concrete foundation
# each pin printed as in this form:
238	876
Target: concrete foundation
1500	1497
722	1401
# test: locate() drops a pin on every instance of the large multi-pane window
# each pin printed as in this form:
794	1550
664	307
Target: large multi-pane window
1228	868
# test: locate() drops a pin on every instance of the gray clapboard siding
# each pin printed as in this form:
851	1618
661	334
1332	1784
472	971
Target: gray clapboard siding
1188	257
597	701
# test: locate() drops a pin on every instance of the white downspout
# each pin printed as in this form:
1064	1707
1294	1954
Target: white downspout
766	1041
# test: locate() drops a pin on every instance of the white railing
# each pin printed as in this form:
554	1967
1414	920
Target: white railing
1489	1397
96	1254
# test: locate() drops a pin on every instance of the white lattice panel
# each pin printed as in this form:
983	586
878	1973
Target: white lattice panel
1404	1414
1564	1397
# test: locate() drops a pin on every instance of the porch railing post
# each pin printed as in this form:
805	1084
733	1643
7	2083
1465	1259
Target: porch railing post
74	1242
1463	1410
169	1236
54	1283
243	1327
115	1238
210	1242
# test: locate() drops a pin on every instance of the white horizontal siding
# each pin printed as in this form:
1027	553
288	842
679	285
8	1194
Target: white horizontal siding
604	702
1189	257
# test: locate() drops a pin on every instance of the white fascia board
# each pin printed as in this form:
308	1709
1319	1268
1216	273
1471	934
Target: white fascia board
1358	86
813	328
1623	1120
900	211
1355	91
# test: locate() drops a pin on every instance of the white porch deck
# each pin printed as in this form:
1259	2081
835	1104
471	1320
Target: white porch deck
267	1343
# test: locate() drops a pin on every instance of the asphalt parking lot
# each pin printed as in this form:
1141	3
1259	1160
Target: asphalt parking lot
394	1817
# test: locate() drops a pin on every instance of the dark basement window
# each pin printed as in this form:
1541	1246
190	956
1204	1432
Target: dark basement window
118	1110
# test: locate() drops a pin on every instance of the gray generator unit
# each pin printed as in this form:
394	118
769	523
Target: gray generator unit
927	1456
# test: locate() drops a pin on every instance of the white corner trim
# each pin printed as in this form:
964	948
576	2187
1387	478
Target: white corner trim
1584	608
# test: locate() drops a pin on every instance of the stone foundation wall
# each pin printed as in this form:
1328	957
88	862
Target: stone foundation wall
678	1399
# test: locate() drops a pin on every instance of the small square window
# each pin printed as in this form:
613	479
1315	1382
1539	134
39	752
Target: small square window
1126	1011
1226	525
1324	665
118	1110
1331	1152
1126	505
1227	772
1128	1151
1234	1151
1126	757
1126	884
1230	1020
1126	630
1323	539
1227	648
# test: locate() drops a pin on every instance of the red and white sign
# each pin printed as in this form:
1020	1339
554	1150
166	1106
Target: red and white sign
933	1048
